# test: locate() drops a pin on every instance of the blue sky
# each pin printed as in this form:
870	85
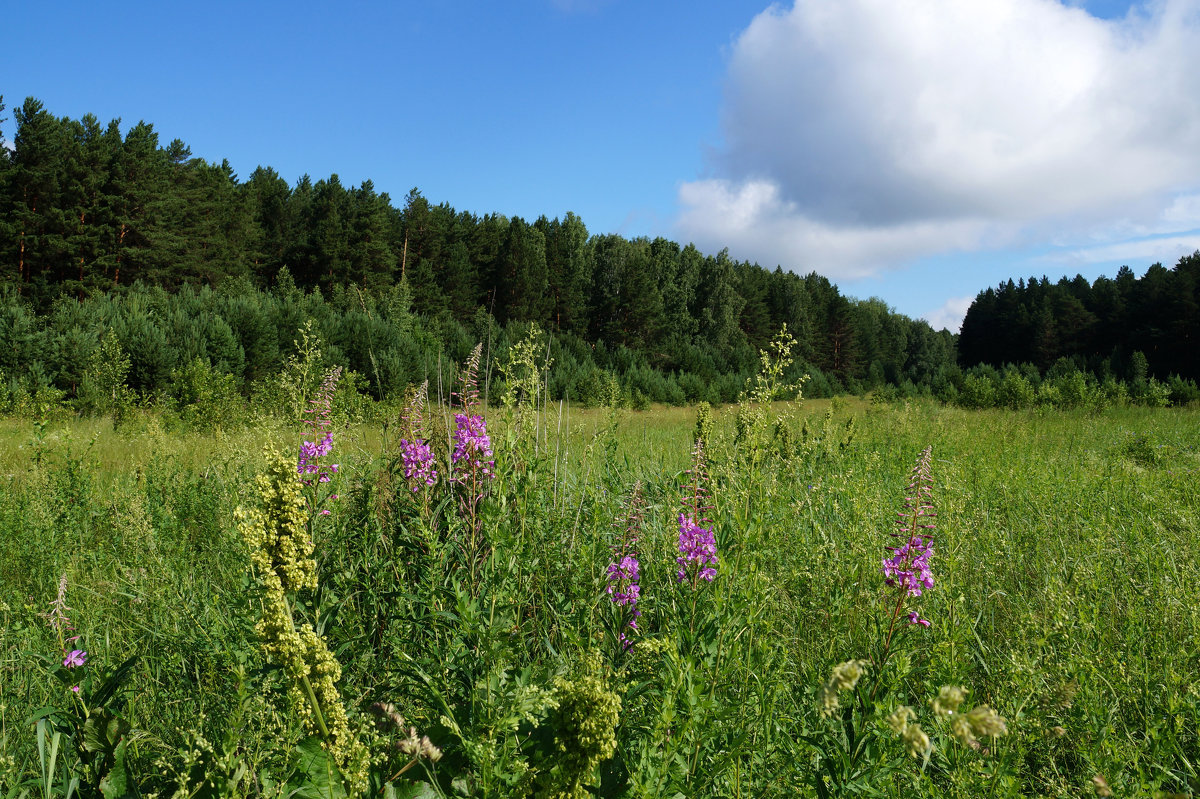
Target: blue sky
916	150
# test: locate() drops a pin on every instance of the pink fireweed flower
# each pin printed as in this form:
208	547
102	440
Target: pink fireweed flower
908	568
319	411
76	657
697	551
472	447
623	577
624	591
420	466
624	572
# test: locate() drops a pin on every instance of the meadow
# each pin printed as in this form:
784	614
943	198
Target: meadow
249	628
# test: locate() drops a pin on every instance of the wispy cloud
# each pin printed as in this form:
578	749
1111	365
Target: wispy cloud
863	134
1165	249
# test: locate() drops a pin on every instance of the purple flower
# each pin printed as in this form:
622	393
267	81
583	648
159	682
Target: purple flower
623	578
624	591
310	455
915	618
76	657
908	568
311	452
697	550
420	467
472	446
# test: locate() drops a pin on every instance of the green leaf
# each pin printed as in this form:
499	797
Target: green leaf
103	732
410	790
314	774
116	783
111	685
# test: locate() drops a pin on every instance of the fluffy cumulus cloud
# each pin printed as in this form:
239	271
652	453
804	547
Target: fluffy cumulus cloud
862	134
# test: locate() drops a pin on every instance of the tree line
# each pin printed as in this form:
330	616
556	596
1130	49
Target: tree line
1126	327
105	231
87	210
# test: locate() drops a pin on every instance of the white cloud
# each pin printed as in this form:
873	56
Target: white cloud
861	134
1166	250
756	223
950	315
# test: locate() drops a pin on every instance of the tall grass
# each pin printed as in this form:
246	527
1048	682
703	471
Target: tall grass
1064	598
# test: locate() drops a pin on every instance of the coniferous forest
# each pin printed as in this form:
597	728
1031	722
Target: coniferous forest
187	265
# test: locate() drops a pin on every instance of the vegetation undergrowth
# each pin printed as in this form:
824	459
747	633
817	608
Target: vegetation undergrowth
530	600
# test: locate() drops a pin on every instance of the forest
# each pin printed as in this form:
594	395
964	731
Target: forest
189	266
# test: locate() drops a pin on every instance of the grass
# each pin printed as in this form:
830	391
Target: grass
1065	599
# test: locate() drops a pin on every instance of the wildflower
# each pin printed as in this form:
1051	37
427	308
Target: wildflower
311	452
622	581
388	719
584	722
468	394
898	719
979	722
697	550
697	502
57	617
916	742
472	447
624	572
960	728
420	747
624	590
908	568
948	699
986	722
844	677
60	622
281	552
310	455
420	467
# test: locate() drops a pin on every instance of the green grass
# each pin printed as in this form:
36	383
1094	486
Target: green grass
1065	598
